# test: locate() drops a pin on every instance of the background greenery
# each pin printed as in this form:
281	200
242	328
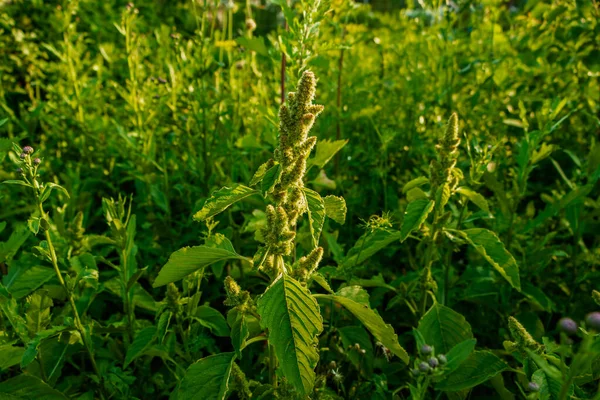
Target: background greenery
159	103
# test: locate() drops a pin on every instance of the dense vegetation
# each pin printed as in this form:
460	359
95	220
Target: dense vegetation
275	199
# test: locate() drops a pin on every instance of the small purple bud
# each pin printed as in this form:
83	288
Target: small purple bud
568	326
433	362
426	349
37	161
19	170
533	387
442	359
424	367
593	320
27	149
22	156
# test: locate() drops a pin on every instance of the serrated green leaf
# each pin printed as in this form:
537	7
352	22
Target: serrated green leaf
143	339
293	319
416	213
492	249
444	328
476	369
316	214
222	199
326	149
459	353
22	280
475	198
190	259
415	183
260	172
212	319
335	208
207	379
11	355
38	312
239	330
373	322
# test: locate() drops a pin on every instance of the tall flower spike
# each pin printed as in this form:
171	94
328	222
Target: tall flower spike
522	339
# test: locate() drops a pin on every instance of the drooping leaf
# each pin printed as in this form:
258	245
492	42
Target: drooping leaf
239	330
475	198
459	353
260	172
326	149
207	379
373	322
416	213
492	249
444	328
293	319
38	312
212	319
478	368
26	386
316	214
222	199
190	259
420	181
335	208
143	339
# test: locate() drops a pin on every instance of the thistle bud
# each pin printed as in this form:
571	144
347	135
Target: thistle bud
28	150
19	170
533	387
568	326
442	359
415	372
250	24
433	362
37	161
426	350
593	321
22	156
424	367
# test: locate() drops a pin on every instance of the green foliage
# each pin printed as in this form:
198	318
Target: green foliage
419	220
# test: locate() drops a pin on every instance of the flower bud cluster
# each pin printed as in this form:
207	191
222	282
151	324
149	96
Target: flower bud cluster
27	164
308	264
236	297
428	362
522	339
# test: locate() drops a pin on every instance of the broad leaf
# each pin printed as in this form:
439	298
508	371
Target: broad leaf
369	244
143	340
29	387
271	178
293	319
212	319
316	214
335	208
415	183
478	368
22	280
416	213
459	353
207	379
444	328
11	355
222	199
38	312
373	322
326	149
190	259
491	248
239	330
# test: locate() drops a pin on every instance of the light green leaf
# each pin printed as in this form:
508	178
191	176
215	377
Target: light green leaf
326	149
550	388
260	172
293	319
256	44
420	181
335	208
478	368
491	248
207	379
143	340
48	189
475	198
271	178
373	322
212	319
222	199
16	182
416	213
26	386
22	280
316	214
320	279
38	312
444	328
190	259
369	244
11	355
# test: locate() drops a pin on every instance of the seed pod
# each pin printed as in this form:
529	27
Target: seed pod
433	362
442	359
37	161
